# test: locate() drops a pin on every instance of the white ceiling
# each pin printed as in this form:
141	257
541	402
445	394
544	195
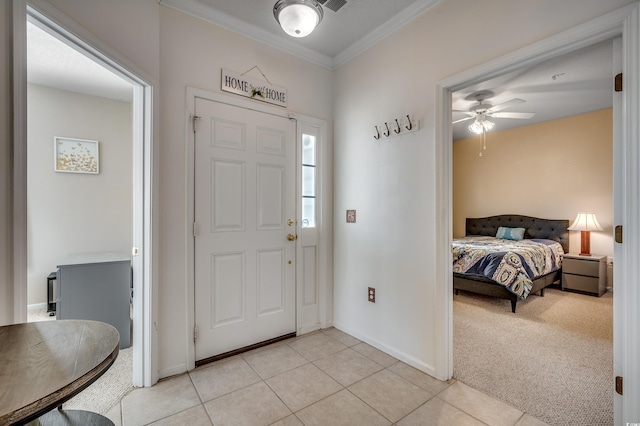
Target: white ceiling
575	83
52	63
572	84
340	36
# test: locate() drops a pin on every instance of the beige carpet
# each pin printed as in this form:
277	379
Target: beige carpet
109	389
553	359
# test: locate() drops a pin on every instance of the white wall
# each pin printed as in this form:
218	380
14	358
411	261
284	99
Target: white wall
135	37
391	183
72	212
193	53
6	204
189	52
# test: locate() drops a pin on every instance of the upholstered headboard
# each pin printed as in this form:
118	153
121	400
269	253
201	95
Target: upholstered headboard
549	229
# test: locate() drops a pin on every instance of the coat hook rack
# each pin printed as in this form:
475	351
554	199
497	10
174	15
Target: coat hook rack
401	127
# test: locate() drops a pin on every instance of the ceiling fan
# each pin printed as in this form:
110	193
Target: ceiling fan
482	110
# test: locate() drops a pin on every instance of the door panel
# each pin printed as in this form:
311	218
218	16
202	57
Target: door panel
271	282
244	196
227	288
228	195
270	196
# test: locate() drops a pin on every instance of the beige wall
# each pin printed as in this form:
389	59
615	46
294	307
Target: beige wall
72	212
550	170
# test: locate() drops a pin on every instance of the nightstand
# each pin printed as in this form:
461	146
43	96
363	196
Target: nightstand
585	274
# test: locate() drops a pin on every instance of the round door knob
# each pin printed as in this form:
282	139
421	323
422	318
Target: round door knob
291	237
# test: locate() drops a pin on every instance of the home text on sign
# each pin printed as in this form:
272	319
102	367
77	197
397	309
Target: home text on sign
253	88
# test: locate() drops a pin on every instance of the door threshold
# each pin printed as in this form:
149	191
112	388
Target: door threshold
244	349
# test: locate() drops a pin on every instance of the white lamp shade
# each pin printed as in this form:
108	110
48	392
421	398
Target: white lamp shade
298	18
585	221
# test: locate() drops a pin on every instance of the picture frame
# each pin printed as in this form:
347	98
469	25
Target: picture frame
71	155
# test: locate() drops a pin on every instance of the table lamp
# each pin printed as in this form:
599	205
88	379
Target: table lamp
585	223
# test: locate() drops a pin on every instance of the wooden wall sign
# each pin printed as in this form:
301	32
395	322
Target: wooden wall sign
253	88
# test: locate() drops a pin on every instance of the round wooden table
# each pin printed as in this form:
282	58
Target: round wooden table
43	364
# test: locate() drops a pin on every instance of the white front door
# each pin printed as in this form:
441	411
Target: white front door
244	210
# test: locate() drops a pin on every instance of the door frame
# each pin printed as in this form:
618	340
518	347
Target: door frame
145	347
323	259
623	22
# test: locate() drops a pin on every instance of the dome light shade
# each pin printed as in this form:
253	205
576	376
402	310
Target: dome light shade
298	18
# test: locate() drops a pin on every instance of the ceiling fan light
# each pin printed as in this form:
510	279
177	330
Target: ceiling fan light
298	18
476	127
488	125
481	125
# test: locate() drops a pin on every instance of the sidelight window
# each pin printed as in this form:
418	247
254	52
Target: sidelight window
308	181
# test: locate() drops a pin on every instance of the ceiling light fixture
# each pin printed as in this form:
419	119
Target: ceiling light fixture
481	124
298	18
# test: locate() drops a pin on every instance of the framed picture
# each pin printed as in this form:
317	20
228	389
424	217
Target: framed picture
76	155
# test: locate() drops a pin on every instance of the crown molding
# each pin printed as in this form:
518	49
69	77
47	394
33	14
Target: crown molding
231	23
224	20
395	23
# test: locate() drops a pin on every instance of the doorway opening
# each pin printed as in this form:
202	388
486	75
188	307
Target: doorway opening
621	22
139	167
545	159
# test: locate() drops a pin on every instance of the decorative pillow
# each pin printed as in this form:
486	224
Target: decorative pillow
510	233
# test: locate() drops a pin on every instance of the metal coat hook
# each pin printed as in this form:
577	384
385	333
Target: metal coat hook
385	131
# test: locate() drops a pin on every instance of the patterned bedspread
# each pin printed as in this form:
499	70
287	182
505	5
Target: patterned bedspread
514	264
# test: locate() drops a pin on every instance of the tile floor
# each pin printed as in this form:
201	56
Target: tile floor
323	378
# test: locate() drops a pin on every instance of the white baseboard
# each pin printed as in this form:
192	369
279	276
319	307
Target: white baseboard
172	371
37	307
428	369
308	329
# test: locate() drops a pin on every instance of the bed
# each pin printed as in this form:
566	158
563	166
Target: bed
539	232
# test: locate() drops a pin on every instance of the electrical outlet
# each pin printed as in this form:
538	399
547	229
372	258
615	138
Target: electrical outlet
372	295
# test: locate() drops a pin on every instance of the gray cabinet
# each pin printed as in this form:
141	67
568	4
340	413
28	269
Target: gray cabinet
96	286
586	274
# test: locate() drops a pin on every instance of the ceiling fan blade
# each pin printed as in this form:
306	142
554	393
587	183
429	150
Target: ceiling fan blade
505	105
523	115
463	119
469	113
